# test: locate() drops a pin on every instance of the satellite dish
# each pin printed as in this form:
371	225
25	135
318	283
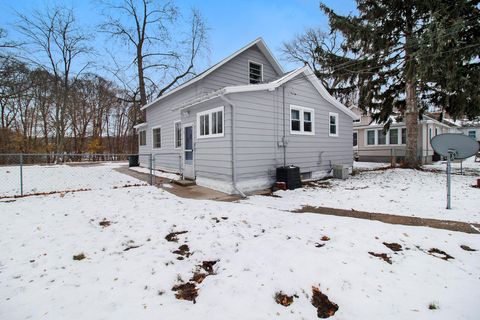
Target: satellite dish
452	144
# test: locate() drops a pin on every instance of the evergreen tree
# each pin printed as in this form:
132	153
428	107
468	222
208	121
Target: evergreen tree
402	57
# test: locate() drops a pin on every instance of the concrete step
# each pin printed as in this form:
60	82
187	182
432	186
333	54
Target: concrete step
185	183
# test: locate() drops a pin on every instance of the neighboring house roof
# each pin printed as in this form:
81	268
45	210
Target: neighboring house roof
395	123
258	42
270	86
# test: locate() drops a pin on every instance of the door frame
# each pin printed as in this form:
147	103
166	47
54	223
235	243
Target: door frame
184	125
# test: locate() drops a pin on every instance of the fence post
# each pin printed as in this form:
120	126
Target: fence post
21	174
151	169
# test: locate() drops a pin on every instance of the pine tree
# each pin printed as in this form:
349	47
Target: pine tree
397	58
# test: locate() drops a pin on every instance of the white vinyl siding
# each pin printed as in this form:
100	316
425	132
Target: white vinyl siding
156	138
302	120
210	123
142	137
333	124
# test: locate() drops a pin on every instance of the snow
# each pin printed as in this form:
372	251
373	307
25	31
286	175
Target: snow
260	251
398	191
157	173
47	178
369	165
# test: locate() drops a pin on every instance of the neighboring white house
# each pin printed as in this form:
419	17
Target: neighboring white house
231	126
371	143
471	129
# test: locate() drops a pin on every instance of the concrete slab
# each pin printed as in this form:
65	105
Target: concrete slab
189	191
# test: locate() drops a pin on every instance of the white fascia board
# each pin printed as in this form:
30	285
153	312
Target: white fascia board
259	42
140	125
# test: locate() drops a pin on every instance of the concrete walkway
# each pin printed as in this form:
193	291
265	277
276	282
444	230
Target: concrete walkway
395	219
191	192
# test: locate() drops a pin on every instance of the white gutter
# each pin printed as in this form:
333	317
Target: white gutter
234	169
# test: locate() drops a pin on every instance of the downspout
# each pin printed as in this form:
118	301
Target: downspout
284	138
234	162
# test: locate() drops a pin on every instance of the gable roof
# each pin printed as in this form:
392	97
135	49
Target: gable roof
262	46
307	73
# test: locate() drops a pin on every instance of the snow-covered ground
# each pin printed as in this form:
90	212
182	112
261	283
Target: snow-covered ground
157	173
260	251
396	191
47	178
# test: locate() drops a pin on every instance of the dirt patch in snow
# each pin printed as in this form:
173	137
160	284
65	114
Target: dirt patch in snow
105	223
186	291
183	251
393	246
395	219
79	256
198	277
208	266
382	256
325	238
172	236
325	307
284	299
467	248
440	254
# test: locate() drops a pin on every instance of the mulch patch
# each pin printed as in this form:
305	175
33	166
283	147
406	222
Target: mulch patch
284	299
198	277
393	246
79	256
440	254
325	307
382	256
172	236
186	291
467	248
131	247
183	250
208	266
105	223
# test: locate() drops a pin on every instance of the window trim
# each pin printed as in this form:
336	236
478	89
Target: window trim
334	114
301	110
140	139
153	139
175	135
209	112
261	71
387	137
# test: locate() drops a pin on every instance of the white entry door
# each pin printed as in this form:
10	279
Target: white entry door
188	167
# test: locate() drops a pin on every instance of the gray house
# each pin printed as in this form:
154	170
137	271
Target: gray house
231	126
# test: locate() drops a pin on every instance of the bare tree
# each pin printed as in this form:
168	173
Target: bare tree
60	44
162	55
317	49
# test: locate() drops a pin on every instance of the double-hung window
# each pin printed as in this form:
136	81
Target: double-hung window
393	136
381	137
472	134
156	138
370	137
210	123
333	124
177	134
142	137
404	135
302	120
355	138
255	72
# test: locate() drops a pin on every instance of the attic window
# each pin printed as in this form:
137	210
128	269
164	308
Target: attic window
255	72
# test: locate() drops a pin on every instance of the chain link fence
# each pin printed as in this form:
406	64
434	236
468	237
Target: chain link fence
36	174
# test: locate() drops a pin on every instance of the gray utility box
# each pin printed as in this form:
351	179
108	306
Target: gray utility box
340	171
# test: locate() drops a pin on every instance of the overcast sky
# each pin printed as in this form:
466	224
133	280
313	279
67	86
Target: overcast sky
232	24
